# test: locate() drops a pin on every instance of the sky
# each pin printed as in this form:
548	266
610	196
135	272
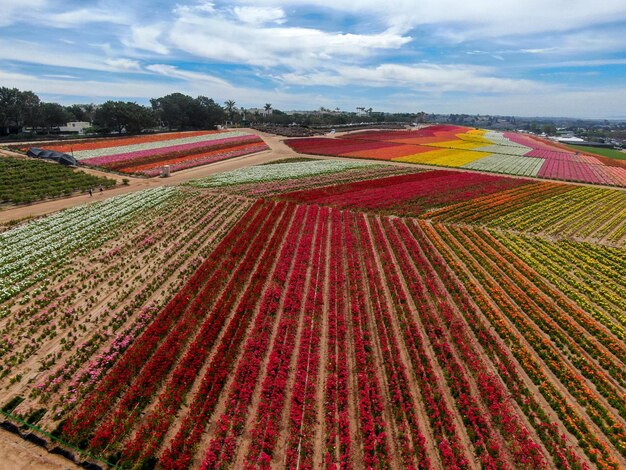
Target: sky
560	58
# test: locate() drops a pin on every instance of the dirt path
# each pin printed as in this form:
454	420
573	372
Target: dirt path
19	454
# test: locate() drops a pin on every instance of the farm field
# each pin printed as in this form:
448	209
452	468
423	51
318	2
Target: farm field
605	152
324	313
28	180
476	149
148	154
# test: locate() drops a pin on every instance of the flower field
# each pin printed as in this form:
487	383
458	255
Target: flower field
333	314
476	149
28	180
148	154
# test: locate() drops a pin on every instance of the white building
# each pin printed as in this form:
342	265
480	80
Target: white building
261	111
77	127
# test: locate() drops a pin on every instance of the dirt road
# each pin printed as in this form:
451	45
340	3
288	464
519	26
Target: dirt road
18	454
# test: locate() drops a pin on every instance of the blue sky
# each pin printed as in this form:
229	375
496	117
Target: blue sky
522	57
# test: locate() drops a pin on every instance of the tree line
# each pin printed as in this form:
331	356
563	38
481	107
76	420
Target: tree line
24	109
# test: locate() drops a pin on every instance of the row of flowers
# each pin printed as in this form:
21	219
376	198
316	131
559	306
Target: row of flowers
486	208
62	305
277	172
451	352
580	212
406	195
480	317
231	422
543	356
182	447
244	280
149	154
565	324
375	430
336	408
27	251
600	292
121	147
97	405
93	144
409	434
490	151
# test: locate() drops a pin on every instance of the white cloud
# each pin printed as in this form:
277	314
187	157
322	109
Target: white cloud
84	16
147	38
259	15
60	76
175	72
588	63
55	56
476	18
68	91
51	55
222	39
597	104
133	89
13	11
424	77
123	64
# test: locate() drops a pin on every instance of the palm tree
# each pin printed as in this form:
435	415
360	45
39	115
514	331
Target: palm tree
268	108
230	107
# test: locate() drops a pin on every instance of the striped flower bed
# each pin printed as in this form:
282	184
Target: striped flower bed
149	154
476	149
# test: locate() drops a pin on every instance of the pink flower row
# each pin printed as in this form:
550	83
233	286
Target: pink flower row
122	157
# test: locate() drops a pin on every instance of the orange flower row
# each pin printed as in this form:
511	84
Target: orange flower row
114	142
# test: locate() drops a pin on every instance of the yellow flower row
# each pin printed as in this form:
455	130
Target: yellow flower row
447	157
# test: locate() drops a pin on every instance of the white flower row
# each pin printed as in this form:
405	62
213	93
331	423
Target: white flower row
505	149
107	151
278	171
509	164
26	250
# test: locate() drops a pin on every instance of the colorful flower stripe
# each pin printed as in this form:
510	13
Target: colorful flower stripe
278	172
387	153
336	146
188	148
407	195
125	149
148	159
209	159
477	149
148	154
447	157
508	164
138	166
94	144
484	209
519	151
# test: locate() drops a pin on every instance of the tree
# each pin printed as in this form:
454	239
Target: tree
81	112
178	111
267	107
206	113
123	116
9	108
230	108
32	113
54	115
173	110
